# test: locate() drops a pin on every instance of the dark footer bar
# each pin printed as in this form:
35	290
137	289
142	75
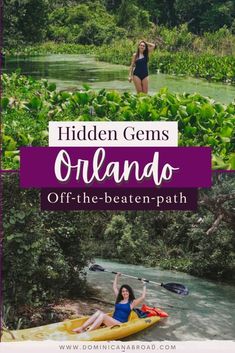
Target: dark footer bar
118	199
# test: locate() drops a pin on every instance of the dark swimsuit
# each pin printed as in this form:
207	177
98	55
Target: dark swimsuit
122	311
141	68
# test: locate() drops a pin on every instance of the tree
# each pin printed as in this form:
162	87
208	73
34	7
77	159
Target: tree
205	15
217	16
86	23
44	256
25	21
128	15
220	204
161	12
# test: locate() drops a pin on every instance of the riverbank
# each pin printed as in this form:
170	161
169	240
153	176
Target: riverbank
208	65
181	63
64	309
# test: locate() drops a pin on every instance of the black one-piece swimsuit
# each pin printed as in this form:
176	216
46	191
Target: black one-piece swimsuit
141	68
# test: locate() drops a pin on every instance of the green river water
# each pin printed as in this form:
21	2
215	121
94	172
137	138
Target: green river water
207	313
72	71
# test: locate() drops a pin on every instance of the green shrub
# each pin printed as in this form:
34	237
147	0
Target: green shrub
28	105
83	24
44	253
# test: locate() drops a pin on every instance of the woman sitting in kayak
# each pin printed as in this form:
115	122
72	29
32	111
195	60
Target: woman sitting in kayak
125	302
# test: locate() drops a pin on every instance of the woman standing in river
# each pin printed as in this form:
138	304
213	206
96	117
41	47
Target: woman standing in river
139	66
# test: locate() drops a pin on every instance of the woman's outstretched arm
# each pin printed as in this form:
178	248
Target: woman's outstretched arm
141	298
115	283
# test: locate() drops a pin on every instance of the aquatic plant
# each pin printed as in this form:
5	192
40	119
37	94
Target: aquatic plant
28	105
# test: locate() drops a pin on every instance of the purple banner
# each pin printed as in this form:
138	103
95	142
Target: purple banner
115	167
118	199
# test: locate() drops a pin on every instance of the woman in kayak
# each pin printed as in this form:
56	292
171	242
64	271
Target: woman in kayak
125	302
139	65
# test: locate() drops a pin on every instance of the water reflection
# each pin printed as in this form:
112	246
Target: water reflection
72	71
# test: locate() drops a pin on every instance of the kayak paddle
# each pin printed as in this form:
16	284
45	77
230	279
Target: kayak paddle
172	287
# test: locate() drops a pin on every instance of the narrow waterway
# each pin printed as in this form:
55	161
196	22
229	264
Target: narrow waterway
207	313
72	71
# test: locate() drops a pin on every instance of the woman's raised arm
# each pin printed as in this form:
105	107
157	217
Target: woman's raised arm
151	46
115	283
141	298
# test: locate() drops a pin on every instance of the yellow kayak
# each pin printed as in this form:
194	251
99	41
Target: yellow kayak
62	331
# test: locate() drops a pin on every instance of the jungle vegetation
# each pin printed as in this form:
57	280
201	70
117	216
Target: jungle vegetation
100	21
45	253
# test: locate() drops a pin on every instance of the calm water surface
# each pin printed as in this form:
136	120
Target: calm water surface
208	312
72	71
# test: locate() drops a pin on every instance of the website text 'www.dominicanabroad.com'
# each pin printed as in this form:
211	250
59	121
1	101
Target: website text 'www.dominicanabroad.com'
143	347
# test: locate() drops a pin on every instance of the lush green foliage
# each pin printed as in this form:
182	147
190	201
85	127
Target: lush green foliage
85	24
50	48
176	240
44	255
211	57
45	252
22	22
219	43
100	21
208	66
179	38
28	105
205	66
204	15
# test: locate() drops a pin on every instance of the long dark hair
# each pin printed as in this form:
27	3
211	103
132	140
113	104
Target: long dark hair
145	53
120	297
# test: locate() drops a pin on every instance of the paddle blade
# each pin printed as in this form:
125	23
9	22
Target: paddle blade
96	267
176	288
